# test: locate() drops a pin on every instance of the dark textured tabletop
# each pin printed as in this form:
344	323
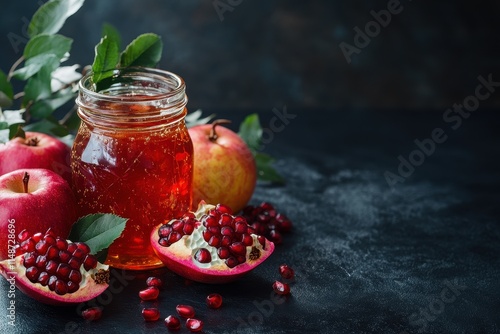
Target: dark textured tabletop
385	240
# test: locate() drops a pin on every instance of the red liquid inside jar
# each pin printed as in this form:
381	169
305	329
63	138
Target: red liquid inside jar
132	157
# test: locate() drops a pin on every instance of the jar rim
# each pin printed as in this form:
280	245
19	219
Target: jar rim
85	84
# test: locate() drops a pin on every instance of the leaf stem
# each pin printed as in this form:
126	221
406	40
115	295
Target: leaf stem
14	67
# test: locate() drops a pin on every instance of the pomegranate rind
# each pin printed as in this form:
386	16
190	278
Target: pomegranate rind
88	290
179	258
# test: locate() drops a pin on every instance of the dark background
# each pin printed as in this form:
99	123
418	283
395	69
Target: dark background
270	53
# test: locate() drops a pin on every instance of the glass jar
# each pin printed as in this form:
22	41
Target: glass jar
133	157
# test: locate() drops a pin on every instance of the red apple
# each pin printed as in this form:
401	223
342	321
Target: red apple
34	199
224	167
37	150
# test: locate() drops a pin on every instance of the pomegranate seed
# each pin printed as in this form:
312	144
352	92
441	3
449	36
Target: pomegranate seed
61	244
194	325
164	231
92	313
83	246
41	261
73	287
266	206
71	247
172	322
150	293
151	314
164	242
41	247
90	262
154	281
185	311
63	271
225	220
37	237
281	288
178	226
226	241
240	227
237	248
275	237
43	278
52	253
79	254
286	272
262	241
231	262
227	231
50	232
74	263
29	259
202	255
223	253
215	241
221	208
188	228
49	239
64	256
174	237
214	230
60	287
75	276
23	235
209	221
207	235
247	239
28	245
52	282
214	300
51	267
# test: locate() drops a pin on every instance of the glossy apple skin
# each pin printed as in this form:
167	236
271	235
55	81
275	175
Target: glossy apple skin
224	170
48	203
49	153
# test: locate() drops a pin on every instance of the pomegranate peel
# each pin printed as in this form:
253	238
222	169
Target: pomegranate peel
181	252
93	283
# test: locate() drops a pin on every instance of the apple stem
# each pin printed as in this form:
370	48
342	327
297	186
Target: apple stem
33	141
213	135
26	180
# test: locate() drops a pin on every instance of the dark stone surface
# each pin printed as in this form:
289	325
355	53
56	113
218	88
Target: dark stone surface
272	52
419	257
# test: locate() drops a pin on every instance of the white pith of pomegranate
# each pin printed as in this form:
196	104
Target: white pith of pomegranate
56	271
210	245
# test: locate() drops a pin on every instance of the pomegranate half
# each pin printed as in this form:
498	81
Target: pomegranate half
55	271
210	245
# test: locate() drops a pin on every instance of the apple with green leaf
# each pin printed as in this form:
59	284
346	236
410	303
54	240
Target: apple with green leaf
34	199
35	150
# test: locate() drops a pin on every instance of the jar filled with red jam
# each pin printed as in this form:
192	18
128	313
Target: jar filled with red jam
133	157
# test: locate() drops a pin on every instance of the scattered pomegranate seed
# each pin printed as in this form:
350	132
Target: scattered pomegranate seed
172	322
185	311
151	314
92	313
194	325
281	288
286	272
150	293
154	281
214	300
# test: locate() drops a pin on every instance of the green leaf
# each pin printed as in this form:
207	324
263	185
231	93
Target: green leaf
38	86
50	17
107	56
57	45
98	231
33	65
251	131
41	109
17	132
194	118
265	169
145	51
6	91
48	125
60	98
112	33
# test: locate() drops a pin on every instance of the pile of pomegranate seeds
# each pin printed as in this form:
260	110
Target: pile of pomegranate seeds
266	221
52	261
